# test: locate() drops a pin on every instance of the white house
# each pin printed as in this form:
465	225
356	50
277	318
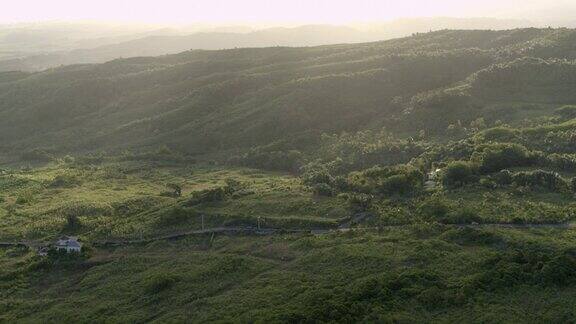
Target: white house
43	251
69	244
432	178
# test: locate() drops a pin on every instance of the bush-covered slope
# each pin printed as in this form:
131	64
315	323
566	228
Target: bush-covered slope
432	179
206	100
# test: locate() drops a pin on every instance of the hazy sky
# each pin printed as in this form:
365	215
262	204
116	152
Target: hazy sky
266	11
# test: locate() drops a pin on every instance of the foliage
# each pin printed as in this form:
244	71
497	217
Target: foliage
459	173
350	132
541	179
37	155
159	282
495	157
400	180
567	112
175	190
64	181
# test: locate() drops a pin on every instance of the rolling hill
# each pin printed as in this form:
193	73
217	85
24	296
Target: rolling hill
204	101
35	48
423	179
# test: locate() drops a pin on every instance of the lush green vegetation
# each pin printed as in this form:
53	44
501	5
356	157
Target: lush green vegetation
434	150
418	274
208	101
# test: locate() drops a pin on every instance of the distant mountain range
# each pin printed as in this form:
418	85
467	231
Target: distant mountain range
65	45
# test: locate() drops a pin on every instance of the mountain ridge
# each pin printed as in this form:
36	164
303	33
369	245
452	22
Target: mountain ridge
194	101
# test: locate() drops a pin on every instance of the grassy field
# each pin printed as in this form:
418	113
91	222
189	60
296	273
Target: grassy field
414	274
128	199
420	271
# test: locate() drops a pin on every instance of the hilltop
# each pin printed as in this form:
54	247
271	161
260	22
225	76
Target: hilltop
37	47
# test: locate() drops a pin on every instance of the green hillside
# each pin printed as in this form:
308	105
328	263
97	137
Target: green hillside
196	100
424	179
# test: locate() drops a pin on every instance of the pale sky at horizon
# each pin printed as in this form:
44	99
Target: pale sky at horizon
266	11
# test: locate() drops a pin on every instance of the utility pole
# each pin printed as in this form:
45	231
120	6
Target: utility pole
258	222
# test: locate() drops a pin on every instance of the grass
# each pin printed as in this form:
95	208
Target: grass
420	272
434	273
127	199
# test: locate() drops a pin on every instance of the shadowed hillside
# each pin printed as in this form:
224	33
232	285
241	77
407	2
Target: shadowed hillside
202	101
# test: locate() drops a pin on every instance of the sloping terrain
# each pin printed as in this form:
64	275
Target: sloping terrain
425	179
196	100
39	47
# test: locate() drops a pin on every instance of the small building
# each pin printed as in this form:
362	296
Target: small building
68	244
43	251
432	179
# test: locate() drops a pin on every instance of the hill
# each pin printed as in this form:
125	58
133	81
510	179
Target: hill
195	101
64	45
423	179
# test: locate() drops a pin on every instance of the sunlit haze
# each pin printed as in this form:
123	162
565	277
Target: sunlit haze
268	11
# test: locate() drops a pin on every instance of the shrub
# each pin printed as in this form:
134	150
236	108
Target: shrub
503	178
207	196
566	112
359	202
564	162
434	208
526	266
21	200
341	183
136	205
159	282
399	180
233	185
459	173
314	177
455	130
175	190
465	215
541	179
174	216
72	223
64	181
80	208
323	189
496	157
499	134
401	184
488	183
471	236
559	270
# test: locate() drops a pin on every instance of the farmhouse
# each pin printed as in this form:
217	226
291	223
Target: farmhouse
69	244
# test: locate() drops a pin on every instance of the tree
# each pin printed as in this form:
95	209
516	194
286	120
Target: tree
496	157
478	124
176	189
458	173
72	222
